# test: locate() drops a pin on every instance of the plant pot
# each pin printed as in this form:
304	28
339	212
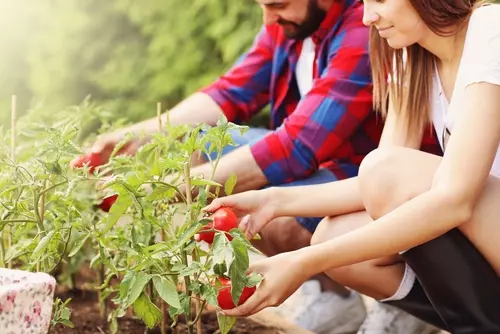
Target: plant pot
26	301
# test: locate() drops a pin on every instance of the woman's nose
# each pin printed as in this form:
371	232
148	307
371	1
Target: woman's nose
370	17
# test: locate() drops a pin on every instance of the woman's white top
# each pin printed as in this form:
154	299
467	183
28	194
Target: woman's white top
480	62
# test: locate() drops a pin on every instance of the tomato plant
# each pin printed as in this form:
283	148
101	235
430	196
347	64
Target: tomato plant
133	220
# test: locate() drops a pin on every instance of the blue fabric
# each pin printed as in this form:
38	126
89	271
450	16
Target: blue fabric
321	176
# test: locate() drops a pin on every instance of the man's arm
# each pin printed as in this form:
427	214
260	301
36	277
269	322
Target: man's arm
326	117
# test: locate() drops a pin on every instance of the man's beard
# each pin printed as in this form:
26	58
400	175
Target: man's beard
314	17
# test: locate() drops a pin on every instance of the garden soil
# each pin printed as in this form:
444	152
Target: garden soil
86	318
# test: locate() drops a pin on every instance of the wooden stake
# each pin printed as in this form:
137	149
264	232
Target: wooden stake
13	119
158	115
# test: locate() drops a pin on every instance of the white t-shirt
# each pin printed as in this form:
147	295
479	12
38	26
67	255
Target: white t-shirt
305	65
480	63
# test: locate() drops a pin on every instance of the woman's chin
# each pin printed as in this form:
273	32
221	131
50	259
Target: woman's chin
396	44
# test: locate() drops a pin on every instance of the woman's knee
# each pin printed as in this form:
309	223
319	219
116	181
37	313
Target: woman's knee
389	177
378	176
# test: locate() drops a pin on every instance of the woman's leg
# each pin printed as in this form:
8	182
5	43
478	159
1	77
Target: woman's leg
379	278
385	279
457	270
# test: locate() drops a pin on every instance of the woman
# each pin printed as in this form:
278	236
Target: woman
440	214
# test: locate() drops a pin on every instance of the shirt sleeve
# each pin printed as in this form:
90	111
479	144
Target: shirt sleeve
338	103
244	89
483	46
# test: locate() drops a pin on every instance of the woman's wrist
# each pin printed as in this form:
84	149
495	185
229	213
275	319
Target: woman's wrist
274	199
307	260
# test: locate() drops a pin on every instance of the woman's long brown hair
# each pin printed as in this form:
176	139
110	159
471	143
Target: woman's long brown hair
411	79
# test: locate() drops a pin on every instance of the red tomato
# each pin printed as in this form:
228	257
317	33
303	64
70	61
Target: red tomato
224	219
224	296
93	160
107	202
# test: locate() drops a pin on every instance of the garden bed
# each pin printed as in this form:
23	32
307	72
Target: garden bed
87	320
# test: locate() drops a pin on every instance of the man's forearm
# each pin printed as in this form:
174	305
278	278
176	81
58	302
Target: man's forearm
328	199
196	109
240	162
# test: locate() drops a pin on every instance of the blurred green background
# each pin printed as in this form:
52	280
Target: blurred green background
127	55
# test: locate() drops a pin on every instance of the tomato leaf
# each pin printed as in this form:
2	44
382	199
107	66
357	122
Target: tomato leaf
209	292
238	268
220	248
225	323
78	244
147	311
42	245
230	183
167	291
136	287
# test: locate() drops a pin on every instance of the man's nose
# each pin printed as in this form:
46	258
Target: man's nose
269	16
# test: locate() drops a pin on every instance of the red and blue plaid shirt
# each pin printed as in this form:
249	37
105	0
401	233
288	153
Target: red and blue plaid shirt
333	126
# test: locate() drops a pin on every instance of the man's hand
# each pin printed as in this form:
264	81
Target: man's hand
255	207
283	275
106	143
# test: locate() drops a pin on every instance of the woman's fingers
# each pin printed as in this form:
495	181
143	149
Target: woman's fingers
218	203
257	302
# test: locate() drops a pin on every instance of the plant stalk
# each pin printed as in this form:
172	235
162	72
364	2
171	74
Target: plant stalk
39	206
189	201
103	307
163	307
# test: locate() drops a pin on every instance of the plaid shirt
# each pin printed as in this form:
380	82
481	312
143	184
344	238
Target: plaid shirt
333	126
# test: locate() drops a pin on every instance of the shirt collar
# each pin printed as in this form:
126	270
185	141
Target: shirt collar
332	17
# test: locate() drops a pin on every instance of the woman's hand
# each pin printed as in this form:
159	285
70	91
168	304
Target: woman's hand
256	207
283	275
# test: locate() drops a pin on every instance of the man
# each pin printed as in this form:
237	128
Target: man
310	63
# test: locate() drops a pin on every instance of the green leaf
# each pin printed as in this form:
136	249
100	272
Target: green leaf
253	280
230	183
67	323
204	182
238	268
42	245
123	202
161	192
237	233
209	292
78	244
194	267
225	323
147	311
125	283
220	248
167	291
188	234
222	121
185	305
18	249
220	269
136	287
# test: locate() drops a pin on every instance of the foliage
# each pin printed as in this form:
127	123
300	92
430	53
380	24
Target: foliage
144	249
126	54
